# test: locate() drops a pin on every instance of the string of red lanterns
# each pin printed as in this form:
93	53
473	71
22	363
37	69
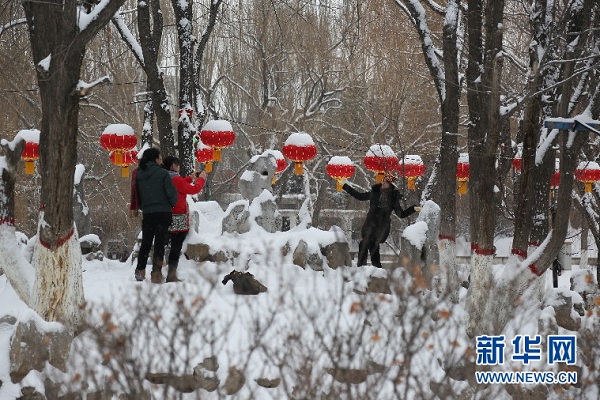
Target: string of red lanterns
411	168
124	160
217	134
119	139
588	172
340	168
204	154
380	158
299	148
462	173
31	152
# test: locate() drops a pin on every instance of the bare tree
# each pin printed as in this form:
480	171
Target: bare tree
59	33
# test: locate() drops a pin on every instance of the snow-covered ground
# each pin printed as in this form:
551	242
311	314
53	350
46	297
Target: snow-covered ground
307	323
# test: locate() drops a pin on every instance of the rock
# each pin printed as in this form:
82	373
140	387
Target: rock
348	375
374	368
583	282
198	252
209	364
208	383
185	383
565	314
538	392
8	319
258	177
265	213
268	383
89	244
29	393
337	254
30	349
237	217
244	283
303	257
378	285
235	381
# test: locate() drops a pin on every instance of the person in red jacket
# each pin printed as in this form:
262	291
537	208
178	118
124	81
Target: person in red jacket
180	226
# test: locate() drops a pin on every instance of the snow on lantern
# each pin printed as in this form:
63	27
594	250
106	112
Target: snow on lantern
340	168
279	160
204	154
411	168
299	148
124	160
217	134
380	159
31	151
462	173
588	172
118	138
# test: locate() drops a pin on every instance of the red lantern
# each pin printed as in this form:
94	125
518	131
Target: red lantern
380	159
411	168
588	172
299	147
517	161
281	164
340	168
118	138
204	154
217	134
31	151
188	111
555	178
124	160
462	173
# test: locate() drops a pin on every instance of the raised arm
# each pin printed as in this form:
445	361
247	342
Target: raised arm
362	196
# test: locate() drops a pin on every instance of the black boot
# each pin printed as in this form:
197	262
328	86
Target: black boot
140	274
156	275
172	274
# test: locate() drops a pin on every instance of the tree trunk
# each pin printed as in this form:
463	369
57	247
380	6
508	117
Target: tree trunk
185	130
483	85
57	37
150	27
18	271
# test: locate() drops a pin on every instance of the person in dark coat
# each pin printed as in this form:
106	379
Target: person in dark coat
156	196
383	199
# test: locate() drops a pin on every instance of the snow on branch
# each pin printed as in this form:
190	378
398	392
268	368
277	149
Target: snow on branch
12	24
128	37
85	18
83	88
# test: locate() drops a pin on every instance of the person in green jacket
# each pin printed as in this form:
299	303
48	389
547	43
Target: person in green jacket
156	196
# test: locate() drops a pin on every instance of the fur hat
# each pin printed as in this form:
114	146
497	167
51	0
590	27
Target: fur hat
389	177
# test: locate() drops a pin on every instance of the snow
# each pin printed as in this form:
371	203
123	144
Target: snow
275	153
416	234
79	171
300	139
307	318
218	125
380	150
119	130
412	159
588	165
85	19
340	160
45	63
